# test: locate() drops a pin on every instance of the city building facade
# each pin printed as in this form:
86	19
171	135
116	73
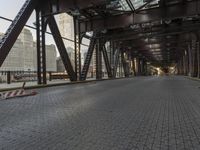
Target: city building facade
23	55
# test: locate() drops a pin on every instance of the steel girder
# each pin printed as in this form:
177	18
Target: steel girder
77	47
145	16
7	42
41	25
152	32
99	47
198	59
106	60
61	48
88	57
63	6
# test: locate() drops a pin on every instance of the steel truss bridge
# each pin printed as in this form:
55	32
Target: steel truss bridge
163	33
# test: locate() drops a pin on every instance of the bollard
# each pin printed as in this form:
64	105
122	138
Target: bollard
23	86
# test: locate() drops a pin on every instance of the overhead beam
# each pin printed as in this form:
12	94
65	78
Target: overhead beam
154	34
125	20
63	6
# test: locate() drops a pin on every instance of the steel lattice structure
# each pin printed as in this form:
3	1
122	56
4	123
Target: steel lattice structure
162	32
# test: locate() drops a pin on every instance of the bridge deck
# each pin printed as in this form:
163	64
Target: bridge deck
128	114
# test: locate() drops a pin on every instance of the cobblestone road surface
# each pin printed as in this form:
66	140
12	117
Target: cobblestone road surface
144	113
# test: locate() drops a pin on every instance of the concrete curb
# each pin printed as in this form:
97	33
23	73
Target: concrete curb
56	84
193	78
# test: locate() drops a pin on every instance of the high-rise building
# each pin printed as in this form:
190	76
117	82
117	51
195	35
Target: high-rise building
23	55
66	26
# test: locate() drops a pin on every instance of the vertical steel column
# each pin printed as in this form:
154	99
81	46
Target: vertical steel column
190	60
111	54
116	59
120	65
180	67
198	59
139	66
41	47
194	54
146	71
98	59
142	66
184	66
38	25
187	62
50	76
77	47
44	73
8	77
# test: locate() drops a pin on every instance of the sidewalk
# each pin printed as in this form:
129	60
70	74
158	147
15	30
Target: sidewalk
4	86
33	84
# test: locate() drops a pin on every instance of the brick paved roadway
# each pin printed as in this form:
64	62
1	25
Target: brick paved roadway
130	114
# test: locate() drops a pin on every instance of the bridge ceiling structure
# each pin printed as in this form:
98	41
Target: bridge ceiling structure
154	26
157	30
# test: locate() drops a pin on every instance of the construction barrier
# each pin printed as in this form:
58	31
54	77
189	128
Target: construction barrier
16	93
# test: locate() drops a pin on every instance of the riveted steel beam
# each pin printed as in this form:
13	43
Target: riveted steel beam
125	20
61	48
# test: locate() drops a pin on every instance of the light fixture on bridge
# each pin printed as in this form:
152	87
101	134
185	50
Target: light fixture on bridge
146	40
168	21
132	26
185	52
168	37
75	12
104	31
